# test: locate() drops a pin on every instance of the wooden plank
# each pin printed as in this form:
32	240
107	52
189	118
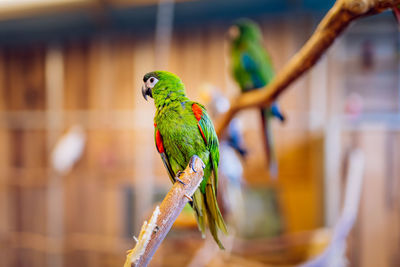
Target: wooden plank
124	89
25	74
3	79
374	222
76	76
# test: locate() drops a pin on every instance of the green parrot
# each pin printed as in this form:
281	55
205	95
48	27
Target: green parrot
252	69
182	128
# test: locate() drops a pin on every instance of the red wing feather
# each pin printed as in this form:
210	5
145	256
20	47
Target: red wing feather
159	143
198	112
202	134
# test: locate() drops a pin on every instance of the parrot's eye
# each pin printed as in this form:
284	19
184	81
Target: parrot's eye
151	82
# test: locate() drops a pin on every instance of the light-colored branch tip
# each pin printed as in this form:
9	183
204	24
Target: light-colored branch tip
144	236
154	232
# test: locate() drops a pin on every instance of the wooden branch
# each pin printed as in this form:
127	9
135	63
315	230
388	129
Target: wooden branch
334	22
154	232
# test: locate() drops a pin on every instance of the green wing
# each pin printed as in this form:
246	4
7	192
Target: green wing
209	188
207	130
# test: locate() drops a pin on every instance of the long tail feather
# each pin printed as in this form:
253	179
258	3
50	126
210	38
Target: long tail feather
268	142
214	216
205	206
200	212
212	206
214	231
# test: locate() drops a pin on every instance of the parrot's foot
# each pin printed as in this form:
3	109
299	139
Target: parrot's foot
179	180
188	197
178	174
191	164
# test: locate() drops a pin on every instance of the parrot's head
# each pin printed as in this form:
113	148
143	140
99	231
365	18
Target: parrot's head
244	29
161	85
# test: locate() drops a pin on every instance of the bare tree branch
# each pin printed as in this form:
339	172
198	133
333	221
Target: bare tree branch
154	231
334	22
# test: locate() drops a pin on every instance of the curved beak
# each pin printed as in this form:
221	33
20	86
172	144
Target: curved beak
146	92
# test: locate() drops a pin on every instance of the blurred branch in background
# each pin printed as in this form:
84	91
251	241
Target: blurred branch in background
154	232
333	24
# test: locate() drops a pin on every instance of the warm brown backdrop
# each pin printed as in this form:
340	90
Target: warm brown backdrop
98	87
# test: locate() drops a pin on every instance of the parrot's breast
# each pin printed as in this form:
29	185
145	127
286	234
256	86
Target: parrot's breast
180	136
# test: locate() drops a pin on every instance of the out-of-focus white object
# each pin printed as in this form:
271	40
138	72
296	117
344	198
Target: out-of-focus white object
335	254
231	165
216	102
68	149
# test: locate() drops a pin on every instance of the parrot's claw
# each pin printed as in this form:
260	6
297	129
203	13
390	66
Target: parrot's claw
193	169
178	174
191	164
179	180
188	197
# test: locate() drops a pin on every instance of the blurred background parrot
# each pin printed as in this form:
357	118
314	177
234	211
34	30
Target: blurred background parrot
252	69
182	129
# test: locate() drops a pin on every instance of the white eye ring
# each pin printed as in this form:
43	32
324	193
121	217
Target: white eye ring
151	82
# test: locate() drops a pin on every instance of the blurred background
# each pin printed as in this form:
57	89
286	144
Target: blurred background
79	172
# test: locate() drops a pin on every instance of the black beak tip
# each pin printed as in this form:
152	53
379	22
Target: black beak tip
144	94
